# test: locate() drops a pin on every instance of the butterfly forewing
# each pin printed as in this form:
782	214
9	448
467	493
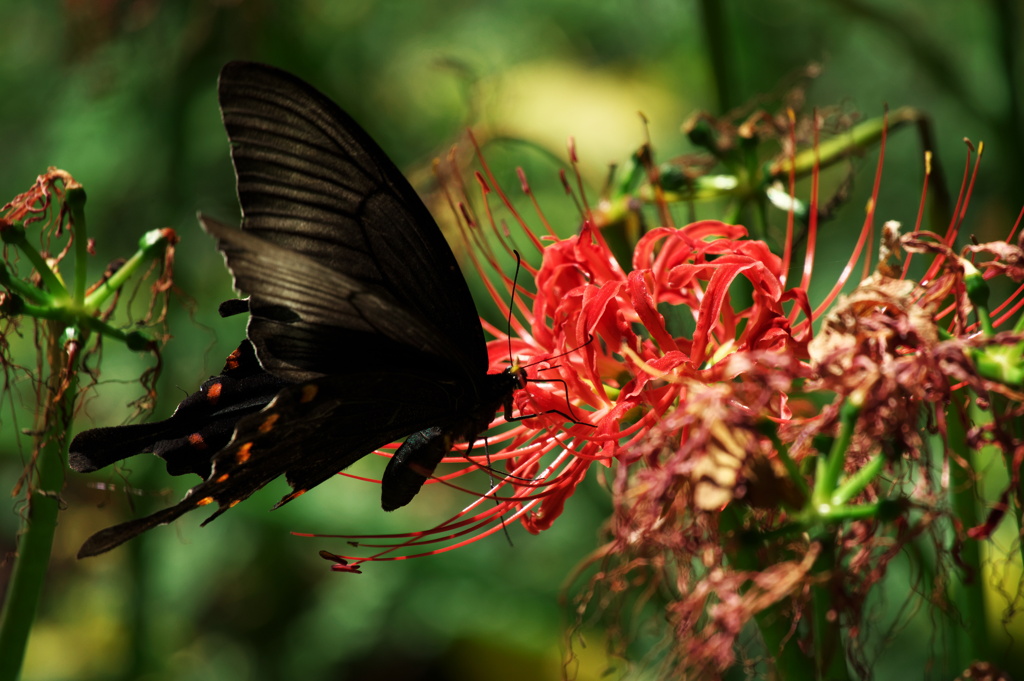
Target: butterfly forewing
311	181
312	320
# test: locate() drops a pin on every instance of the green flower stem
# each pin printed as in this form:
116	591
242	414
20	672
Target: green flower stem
829	655
830	467
1002	363
633	177
856	483
69	320
135	340
774	624
1018	431
984	319
856	140
1018	326
15	235
151	246
74	199
978	293
967	593
734	213
721	51
844	513
25	291
81	314
782	452
761	215
40	516
702	188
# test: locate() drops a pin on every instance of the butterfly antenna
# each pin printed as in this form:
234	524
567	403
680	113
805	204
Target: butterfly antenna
590	339
508	336
511	305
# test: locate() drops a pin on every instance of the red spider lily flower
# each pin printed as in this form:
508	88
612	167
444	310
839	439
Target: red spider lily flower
695	374
619	365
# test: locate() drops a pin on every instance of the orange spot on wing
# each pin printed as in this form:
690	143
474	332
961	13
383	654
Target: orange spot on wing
214	391
222	478
309	391
196	440
243	453
205	501
268	423
232	362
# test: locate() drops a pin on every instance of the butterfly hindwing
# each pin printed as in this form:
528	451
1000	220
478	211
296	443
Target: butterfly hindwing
201	425
307	433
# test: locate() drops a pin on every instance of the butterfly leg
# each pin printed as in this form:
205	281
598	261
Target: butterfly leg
525	417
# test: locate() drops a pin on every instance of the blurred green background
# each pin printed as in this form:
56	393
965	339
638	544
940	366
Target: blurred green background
121	93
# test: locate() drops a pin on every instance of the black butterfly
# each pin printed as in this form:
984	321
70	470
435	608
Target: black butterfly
362	329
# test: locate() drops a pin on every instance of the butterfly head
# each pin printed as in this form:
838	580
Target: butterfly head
517	374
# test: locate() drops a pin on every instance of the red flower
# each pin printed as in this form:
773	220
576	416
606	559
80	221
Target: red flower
735	437
595	339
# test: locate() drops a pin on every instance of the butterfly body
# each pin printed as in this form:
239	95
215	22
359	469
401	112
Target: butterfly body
423	450
359	317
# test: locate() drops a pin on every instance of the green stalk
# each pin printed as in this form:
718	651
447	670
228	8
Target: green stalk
856	140
774	624
843	513
830	467
63	316
972	644
856	483
67	320
782	452
15	235
151	245
40	519
829	656
20	288
74	199
999	363
720	52
1018	430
